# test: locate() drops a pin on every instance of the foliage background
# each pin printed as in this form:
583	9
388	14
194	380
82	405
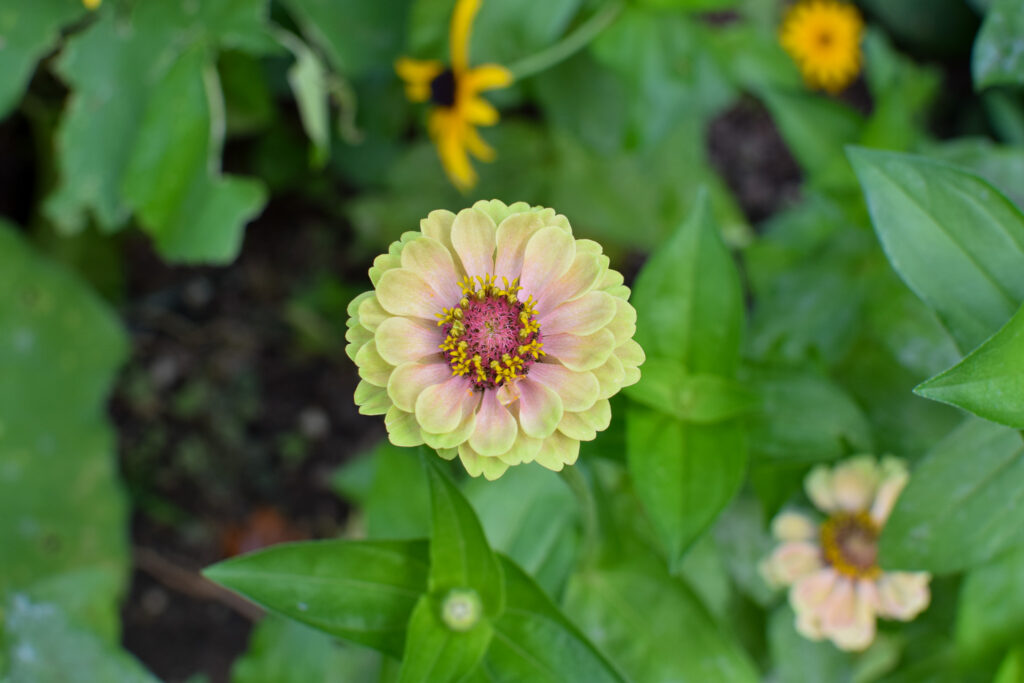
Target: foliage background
191	193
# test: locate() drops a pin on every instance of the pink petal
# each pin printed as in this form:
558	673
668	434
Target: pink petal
432	261
549	253
400	340
513	234
580	353
578	390
403	292
409	380
582	276
540	408
495	427
584	316
440	407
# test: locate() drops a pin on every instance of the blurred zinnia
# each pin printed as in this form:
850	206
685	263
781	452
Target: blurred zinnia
836	586
496	335
823	38
455	93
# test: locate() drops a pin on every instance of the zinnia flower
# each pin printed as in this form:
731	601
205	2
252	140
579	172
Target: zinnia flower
455	93
837	588
823	38
495	335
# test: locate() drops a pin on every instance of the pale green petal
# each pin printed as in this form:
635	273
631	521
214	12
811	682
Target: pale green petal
447	453
623	325
357	337
408	381
557	451
403	430
610	377
496	209
353	307
581	277
477	464
583	316
599	416
473	238
540	408
441	407
433	262
610	279
581	353
453	438
371	313
438	225
620	292
383	264
513	234
632	376
575	427
524	449
578	390
549	254
371	399
631	354
372	367
403	292
401	340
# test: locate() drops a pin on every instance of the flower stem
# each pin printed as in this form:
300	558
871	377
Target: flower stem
570	44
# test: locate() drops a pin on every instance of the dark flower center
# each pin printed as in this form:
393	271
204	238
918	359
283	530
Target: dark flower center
442	89
850	544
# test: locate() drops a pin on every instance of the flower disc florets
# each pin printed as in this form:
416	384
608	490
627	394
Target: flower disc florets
836	586
494	335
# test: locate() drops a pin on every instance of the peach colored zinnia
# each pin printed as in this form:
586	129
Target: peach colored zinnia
495	335
836	586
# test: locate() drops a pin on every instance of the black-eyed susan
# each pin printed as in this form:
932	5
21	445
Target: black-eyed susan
823	37
454	90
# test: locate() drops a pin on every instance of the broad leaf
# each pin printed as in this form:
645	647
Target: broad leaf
460	556
285	651
989	382
435	653
964	503
701	398
533	641
990	615
363	591
952	237
60	347
653	627
799	660
998	57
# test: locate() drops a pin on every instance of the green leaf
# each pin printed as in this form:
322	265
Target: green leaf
436	653
45	646
998	57
533	641
363	591
155	148
285	651
689	300
799	660
530	515
1012	668
60	347
989	381
990	614
804	417
953	238
308	81
964	503
460	556
653	627
700	398
390	489
1000	165
689	306
685	474
28	30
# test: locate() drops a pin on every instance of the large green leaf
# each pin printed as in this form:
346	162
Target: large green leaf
533	641
63	509
155	148
700	398
689	311
799	660
964	503
990	614
653	627
285	651
434	653
28	30
48	647
363	591
460	556
998	57
952	237
989	382
1000	165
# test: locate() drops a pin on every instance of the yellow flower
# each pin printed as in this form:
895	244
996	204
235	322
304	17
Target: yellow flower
91	4
823	38
454	91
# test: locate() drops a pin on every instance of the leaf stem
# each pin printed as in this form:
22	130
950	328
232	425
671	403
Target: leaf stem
570	44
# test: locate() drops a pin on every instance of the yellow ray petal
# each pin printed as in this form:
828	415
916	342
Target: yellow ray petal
479	111
448	132
487	77
460	33
418	71
476	145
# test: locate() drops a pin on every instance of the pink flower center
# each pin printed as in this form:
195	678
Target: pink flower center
491	337
850	544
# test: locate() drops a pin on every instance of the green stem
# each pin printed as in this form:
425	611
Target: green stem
569	45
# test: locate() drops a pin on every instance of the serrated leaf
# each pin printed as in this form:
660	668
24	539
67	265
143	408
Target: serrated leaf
998	56
460	556
534	641
363	591
989	381
653	626
60	347
964	503
953	238
28	30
